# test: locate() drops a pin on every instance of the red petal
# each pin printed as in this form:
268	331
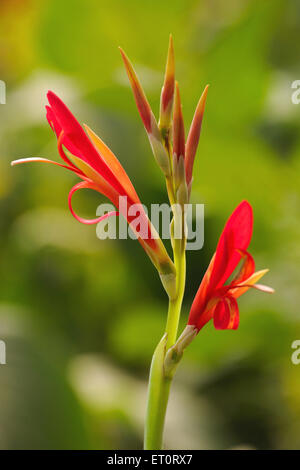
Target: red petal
247	268
113	164
77	142
199	303
61	150
53	122
235	238
57	128
226	314
85	185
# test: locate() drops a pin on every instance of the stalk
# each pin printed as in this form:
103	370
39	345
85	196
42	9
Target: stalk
159	384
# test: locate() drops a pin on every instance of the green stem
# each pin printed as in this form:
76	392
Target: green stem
159	384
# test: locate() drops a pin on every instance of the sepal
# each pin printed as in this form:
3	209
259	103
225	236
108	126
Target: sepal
175	353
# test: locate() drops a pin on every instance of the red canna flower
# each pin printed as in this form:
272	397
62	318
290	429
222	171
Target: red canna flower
90	159
215	299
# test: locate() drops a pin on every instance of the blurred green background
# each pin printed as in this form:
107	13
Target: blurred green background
80	316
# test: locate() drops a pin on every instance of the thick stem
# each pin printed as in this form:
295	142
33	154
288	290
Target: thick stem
159	384
175	305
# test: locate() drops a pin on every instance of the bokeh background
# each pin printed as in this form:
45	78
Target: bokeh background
80	316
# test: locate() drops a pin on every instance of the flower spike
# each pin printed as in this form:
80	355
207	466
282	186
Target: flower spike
148	118
167	92
194	136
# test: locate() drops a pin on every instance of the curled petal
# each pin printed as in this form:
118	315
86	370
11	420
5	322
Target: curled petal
46	160
242	287
261	287
226	314
85	185
247	268
61	150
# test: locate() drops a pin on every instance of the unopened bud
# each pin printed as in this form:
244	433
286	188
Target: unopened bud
138	92
167	93
178	127
148	118
194	136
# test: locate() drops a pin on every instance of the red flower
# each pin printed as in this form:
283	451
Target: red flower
91	160
215	299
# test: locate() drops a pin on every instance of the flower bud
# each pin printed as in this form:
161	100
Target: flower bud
167	92
178	127
148	118
194	136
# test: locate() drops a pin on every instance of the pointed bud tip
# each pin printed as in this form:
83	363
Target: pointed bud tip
167	93
178	126
171	47
139	94
201	103
170	66
124	57
194	134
